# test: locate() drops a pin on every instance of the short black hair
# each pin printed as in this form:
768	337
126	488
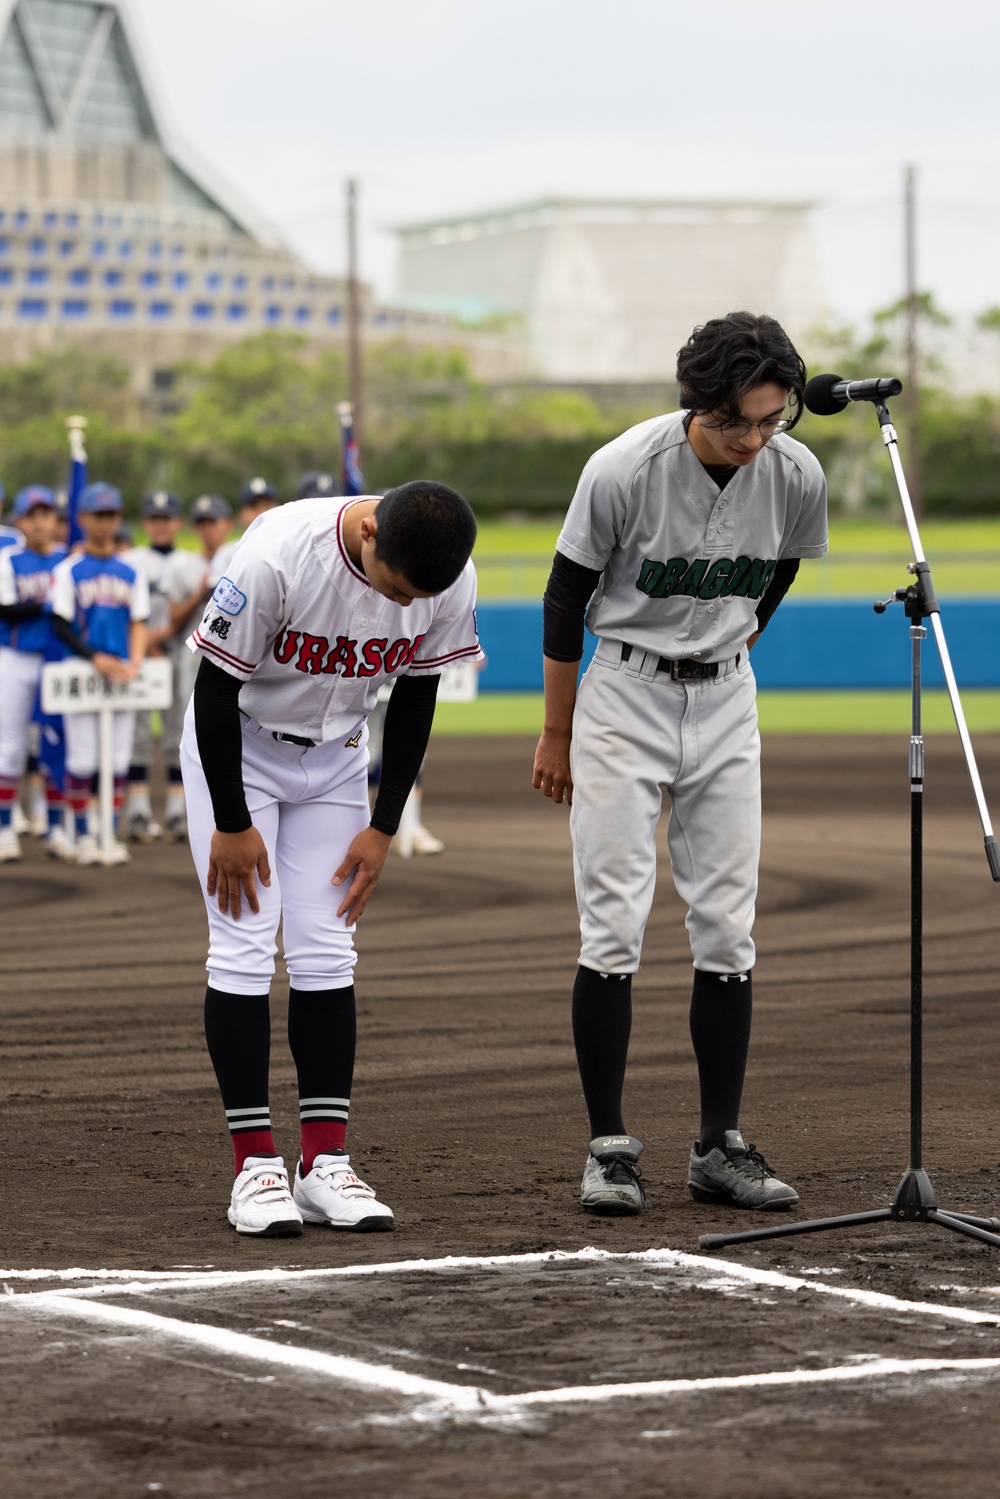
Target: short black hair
727	357
426	531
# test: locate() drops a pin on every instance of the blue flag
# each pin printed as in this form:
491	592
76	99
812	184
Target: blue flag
77	478
353	479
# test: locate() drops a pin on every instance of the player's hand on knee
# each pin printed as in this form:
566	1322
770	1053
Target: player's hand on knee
365	859
233	861
552	773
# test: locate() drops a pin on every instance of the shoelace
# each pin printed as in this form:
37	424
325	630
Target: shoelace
620	1170
751	1163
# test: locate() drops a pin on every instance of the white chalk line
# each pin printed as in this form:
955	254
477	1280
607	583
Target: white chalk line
442	1398
668	1258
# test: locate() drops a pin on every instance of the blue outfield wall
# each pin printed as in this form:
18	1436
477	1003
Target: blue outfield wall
809	644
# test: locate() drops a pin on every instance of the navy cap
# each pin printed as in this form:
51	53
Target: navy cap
258	489
161	502
99	499
211	507
27	499
318	486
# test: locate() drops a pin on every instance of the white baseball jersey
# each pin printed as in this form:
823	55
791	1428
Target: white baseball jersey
158	568
684	563
301	626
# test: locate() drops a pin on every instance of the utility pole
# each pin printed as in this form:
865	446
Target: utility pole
911	402
354	367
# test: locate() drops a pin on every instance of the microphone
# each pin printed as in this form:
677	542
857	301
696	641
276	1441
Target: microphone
826	394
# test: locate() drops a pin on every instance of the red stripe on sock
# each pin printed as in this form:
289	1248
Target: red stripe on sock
252	1142
322	1138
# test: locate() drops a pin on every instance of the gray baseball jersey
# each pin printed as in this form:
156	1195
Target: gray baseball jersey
299	623
684	563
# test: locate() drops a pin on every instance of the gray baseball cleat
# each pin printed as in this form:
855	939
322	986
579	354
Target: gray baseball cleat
611	1184
739	1174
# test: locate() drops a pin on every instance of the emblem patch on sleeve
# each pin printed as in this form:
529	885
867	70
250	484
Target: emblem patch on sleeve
229	598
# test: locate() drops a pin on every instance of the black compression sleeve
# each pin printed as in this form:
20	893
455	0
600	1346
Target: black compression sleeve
408	717
220	744
781	582
65	632
567	594
12	614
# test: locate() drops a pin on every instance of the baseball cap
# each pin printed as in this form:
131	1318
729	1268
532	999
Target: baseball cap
162	502
100	498
318	486
211	507
258	489
35	494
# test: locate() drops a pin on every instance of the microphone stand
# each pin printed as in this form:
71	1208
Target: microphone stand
914	1200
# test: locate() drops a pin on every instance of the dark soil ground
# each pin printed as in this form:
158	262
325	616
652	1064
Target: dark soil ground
467	1117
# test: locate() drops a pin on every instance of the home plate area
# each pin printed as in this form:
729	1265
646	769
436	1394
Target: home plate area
527	1338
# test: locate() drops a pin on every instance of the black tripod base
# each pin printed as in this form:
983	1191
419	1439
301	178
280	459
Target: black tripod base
914	1202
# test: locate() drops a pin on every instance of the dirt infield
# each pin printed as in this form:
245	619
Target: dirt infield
467	1117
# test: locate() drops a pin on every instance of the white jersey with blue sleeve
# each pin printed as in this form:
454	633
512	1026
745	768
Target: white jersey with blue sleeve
26	578
101	597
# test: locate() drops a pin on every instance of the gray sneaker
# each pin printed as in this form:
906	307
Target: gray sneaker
739	1174
611	1184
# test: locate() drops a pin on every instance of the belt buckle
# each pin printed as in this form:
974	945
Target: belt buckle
686	671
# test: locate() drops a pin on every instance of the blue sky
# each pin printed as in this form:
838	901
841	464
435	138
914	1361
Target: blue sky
453	105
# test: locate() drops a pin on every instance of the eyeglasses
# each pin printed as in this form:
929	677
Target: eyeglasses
740	429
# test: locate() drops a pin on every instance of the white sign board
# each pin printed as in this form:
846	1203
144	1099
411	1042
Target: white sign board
459	683
75	686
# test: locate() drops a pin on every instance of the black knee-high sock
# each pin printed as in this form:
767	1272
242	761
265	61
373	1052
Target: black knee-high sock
721	1013
238	1032
322	1035
602	1024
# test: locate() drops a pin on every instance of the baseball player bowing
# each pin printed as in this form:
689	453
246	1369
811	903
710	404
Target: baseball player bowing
684	534
322	602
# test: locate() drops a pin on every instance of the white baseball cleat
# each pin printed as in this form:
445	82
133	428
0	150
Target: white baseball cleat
88	850
261	1204
117	853
331	1193
10	845
58	846
424	841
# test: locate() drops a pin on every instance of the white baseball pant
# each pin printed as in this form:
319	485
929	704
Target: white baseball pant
636	734
308	804
83	742
20	673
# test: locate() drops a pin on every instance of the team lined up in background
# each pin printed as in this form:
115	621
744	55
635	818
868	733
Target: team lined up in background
112	603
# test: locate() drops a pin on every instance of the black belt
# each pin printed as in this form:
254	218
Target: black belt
684	670
292	739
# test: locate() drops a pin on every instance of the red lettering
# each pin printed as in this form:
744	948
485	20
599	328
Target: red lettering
372	653
396	654
343	654
284	652
414	648
314	648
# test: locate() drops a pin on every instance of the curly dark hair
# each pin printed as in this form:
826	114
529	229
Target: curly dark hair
426	531
727	357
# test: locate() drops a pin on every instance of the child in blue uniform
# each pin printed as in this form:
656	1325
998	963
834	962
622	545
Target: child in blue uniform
26	642
106	601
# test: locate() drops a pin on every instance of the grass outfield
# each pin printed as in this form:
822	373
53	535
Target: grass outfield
780	713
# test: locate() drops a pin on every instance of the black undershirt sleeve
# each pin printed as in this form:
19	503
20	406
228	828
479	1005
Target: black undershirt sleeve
220	745
781	582
564	605
12	614
409	715
65	632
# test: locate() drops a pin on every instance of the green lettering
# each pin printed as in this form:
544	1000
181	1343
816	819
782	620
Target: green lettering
691	581
715	582
650	574
756	578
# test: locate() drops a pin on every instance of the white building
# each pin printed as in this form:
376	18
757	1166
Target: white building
113	236
609	290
